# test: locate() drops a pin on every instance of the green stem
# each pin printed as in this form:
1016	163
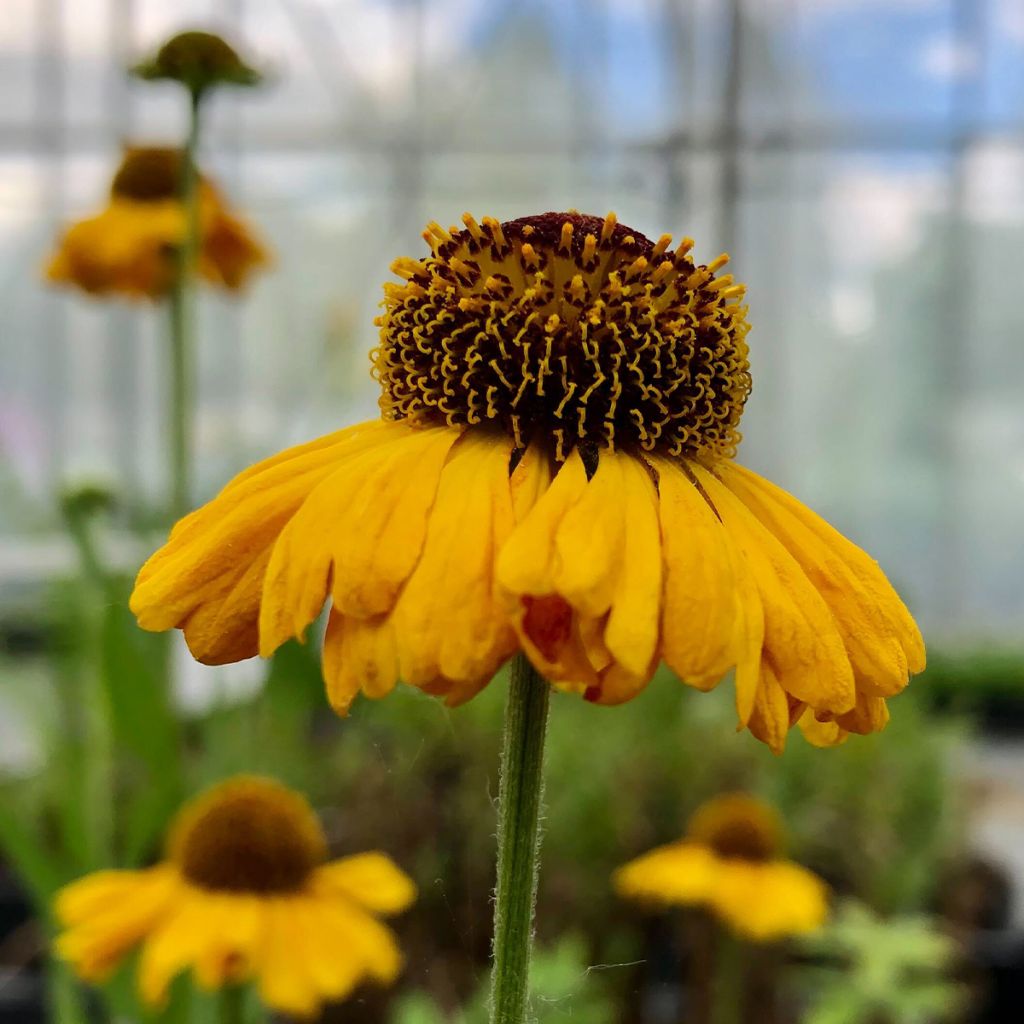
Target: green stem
182	317
92	703
232	1005
519	802
730	979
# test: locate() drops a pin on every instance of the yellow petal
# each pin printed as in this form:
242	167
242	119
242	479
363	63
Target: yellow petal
208	561
678	874
632	631
331	959
870	715
800	634
770	719
359	654
447	621
232	941
285	980
370	879
525	562
588	558
176	943
882	638
769	901
700	611
821	732
364	524
108	914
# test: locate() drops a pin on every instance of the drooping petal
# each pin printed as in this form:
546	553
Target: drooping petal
770	718
447	622
207	578
362	526
870	715
881	637
634	621
800	636
705	608
821	732
359	655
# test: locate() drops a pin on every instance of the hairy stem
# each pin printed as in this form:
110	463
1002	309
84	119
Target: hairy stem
519	804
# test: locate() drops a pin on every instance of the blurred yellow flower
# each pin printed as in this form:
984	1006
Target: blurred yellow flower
130	247
243	894
554	473
730	863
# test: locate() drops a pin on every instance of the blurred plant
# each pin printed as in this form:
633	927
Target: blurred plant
878	970
112	750
730	863
563	987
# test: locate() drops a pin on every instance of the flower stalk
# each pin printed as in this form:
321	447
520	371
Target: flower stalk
232	1005
729	981
520	796
182	319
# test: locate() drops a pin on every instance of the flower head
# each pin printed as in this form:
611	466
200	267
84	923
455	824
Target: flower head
130	247
553	473
244	893
199	61
731	863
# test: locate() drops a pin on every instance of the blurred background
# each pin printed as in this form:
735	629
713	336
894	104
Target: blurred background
862	160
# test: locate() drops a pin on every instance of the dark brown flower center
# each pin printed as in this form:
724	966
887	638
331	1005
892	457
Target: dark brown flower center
249	835
743	839
568	329
737	825
148	174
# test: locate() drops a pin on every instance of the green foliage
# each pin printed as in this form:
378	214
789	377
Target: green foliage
883	971
563	987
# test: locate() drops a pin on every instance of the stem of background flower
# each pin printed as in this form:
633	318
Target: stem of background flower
93	710
232	1005
182	311
520	793
729	983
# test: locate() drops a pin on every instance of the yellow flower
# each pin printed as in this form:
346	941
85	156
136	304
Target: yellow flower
243	894
129	247
730	864
553	472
